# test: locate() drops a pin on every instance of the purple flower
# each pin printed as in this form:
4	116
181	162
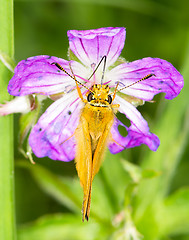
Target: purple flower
53	135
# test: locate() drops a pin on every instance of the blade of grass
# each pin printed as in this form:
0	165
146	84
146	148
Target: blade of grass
7	218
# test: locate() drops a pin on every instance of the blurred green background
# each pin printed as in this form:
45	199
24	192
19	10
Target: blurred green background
156	28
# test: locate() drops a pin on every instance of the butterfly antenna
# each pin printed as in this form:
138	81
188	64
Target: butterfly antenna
73	77
142	79
103	71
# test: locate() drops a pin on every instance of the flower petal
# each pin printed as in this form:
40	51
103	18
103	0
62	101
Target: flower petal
17	105
38	75
54	127
167	79
91	45
138	131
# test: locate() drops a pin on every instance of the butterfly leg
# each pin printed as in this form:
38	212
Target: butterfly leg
113	140
67	139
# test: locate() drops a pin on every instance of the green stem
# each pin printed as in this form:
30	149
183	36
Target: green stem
7	216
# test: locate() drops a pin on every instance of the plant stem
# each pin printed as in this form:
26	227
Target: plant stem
7	216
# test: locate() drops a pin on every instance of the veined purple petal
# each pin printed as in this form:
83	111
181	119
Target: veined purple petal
38	75
52	136
137	133
167	79
91	45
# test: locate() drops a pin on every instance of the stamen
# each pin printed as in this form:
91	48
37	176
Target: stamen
107	82
103	71
85	80
93	65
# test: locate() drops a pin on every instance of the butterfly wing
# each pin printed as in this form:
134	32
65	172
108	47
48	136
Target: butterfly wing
89	154
84	162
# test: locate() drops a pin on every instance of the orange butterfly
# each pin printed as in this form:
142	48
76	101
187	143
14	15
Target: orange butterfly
93	131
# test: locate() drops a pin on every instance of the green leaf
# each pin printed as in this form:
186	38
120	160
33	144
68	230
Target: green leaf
150	173
134	171
137	173
174	213
60	227
54	186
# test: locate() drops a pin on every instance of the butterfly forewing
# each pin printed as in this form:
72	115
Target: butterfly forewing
96	120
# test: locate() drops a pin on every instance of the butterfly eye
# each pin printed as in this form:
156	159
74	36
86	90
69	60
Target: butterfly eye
109	99
90	97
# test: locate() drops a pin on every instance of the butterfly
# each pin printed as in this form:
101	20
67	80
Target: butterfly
93	131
